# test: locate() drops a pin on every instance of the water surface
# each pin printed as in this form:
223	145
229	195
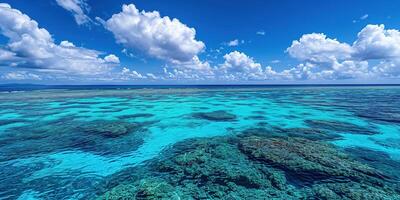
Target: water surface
71	143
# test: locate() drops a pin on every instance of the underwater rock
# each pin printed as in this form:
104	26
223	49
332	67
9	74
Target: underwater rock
380	113
388	142
350	190
250	167
206	162
110	129
219	115
103	137
338	126
307	161
308	133
12	121
203	169
132	116
377	159
311	134
256	117
143	189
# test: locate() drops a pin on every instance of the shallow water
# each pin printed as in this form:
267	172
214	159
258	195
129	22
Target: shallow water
64	144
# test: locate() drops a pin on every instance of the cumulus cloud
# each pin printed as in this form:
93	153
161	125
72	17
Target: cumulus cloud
194	69
321	58
66	43
78	8
331	59
375	52
161	37
32	47
317	48
240	62
111	58
127	74
387	68
374	42
234	43
239	66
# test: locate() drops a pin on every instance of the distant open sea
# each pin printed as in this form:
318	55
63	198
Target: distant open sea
200	142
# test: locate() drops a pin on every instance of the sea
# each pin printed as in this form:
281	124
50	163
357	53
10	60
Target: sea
200	142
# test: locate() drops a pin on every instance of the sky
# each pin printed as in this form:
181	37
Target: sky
199	42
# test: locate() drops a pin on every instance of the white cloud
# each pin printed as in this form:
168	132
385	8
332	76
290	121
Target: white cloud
260	32
157	36
195	64
387	68
127	74
350	69
111	58
32	47
364	17
317	48
233	43
77	8
374	42
7	55
20	75
184	74
194	69
168	39
239	66
327	58
151	76
240	62
66	43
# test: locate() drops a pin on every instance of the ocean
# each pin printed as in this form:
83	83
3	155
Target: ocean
200	142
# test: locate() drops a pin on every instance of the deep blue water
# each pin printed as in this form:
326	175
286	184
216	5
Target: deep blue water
200	142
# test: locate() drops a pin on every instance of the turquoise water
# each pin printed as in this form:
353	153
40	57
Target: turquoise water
69	144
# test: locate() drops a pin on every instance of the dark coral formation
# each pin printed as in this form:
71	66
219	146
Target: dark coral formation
12	121
311	134
251	167
388	142
217	116
110	129
305	161
100	136
339	126
377	159
138	115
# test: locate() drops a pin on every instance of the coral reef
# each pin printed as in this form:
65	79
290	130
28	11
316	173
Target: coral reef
219	115
110	129
133	116
251	167
377	159
311	134
305	161
388	142
100	136
339	126
144	189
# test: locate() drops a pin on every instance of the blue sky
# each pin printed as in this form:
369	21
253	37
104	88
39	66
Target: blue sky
212	42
